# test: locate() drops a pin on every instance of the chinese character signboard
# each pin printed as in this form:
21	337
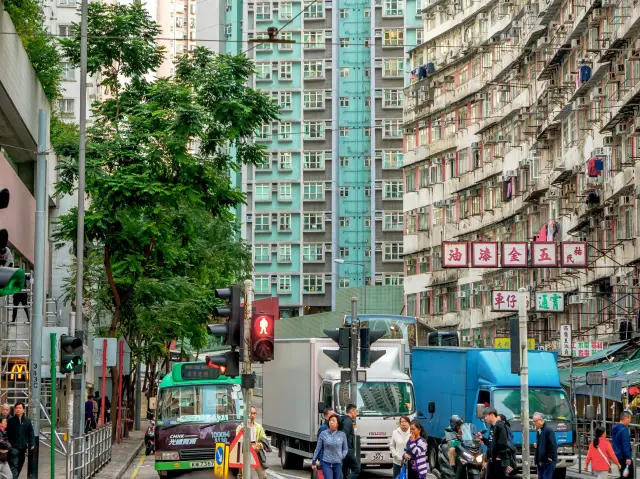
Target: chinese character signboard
515	255
455	254
573	254
505	343
507	300
565	340
583	349
544	254
484	254
552	302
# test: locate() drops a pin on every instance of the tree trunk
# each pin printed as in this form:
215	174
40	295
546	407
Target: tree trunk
114	404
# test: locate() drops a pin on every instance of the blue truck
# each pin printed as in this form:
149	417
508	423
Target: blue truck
462	381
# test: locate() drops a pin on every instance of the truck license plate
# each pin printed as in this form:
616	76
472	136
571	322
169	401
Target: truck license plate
376	456
201	464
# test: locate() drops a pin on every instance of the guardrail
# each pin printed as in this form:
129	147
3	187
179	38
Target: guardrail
89	453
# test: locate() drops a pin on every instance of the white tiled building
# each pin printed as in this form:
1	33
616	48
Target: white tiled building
513	100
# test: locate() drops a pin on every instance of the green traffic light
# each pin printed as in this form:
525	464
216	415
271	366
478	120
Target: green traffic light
12	279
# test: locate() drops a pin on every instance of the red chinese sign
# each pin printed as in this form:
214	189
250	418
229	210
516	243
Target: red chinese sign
455	255
544	254
573	254
515	254
484	254
508	301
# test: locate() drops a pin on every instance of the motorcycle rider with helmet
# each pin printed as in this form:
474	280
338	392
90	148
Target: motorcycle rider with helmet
451	434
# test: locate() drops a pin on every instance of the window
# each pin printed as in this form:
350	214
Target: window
344	131
344	101
284	284
313	222
392	67
284	253
284	222
314	99
367	191
367	102
344	161
393	37
392	129
263	192
284	192
286	71
394	280
344	13
392	251
313	283
314	129
344	72
343	283
344	192
367	13
393	189
228	30
285	36
393	221
262	254
313	252
64	30
313	39
392	98
66	3
284	100
313	9
285	161
262	222
262	284
392	159
367	162
265	132
344	251
313	160
313	191
313	69
285	130
68	71
66	106
286	11
263	70
419	34
344	42
345	221
263	11
367	221
393	8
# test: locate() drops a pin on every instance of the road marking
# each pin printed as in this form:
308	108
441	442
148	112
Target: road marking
283	475
137	468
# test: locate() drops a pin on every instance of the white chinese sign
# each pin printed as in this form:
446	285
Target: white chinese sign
552	302
573	254
455	254
565	340
544	254
515	254
484	254
508	300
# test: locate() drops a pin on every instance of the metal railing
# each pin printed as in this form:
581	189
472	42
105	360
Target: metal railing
89	453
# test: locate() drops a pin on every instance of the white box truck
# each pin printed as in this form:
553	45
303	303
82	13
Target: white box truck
302	380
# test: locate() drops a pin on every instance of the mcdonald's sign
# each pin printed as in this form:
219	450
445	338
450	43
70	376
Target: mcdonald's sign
18	370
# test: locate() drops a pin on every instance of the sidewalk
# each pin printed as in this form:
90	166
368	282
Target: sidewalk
121	457
573	472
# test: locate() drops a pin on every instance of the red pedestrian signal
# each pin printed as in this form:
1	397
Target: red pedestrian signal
262	337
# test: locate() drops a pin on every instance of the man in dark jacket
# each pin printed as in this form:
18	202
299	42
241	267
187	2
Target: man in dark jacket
546	455
498	452
351	463
621	442
21	437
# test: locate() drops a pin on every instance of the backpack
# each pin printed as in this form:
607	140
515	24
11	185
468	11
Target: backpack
512	446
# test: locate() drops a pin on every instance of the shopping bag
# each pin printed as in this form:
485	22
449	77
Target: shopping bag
403	472
317	473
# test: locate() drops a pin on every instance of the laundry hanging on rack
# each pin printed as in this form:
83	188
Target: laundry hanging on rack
594	167
585	73
553	229
593	197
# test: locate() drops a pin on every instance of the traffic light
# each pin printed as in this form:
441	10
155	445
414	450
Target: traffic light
341	336
11	279
70	354
231	332
367	338
262	337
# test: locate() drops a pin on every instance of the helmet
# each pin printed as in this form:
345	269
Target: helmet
455	421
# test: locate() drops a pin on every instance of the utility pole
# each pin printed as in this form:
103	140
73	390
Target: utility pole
138	395
247	379
353	350
38	293
524	382
81	192
70	408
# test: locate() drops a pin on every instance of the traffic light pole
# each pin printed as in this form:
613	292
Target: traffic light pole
524	383
70	401
353	350
247	392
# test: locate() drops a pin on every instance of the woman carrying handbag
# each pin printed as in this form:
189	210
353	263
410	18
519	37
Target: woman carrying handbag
416	452
601	455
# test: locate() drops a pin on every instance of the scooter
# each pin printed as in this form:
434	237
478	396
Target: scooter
150	436
468	454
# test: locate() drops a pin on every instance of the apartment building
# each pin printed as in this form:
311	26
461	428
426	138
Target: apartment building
325	211
520	125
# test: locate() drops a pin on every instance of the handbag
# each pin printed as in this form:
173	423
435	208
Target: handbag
605	458
317	474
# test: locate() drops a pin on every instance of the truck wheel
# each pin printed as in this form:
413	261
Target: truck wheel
433	457
289	460
560	473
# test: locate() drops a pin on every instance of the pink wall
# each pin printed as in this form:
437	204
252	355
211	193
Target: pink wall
19	217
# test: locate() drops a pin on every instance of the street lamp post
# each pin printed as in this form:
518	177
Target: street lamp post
364	282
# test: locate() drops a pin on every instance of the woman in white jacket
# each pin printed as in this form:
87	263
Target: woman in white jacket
397	444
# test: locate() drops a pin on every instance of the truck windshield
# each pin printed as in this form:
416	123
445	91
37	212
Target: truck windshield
206	404
550	402
378	398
